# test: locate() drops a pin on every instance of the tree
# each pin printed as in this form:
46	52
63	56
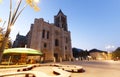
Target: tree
75	52
80	53
8	44
116	53
13	16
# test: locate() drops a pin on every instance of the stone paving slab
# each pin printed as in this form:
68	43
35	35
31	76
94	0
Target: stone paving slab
38	68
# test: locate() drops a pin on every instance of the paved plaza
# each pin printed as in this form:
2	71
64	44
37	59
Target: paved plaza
98	68
92	68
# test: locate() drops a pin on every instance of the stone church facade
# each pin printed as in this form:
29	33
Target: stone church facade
52	39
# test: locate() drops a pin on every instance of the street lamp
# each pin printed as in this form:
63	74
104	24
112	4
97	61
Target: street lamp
13	16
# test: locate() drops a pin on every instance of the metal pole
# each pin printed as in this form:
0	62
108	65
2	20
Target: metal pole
9	60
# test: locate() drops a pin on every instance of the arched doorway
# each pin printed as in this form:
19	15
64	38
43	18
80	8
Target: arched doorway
56	57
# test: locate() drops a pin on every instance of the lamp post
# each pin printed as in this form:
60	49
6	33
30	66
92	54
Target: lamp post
13	16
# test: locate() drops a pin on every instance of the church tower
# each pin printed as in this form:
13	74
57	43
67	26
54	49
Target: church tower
60	20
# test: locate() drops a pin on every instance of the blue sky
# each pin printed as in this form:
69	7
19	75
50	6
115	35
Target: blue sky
93	23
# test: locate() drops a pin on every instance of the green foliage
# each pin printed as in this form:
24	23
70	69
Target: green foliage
8	44
75	52
116	53
79	53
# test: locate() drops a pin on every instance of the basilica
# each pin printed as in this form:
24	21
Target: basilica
52	39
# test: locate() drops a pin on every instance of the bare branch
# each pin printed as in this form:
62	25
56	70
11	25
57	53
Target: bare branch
10	15
19	13
16	10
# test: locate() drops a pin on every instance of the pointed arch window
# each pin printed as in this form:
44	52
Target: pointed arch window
43	34
48	34
45	45
56	42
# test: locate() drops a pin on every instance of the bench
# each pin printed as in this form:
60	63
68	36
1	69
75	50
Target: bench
60	72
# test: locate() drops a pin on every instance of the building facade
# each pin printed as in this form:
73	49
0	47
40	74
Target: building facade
98	54
52	39
20	41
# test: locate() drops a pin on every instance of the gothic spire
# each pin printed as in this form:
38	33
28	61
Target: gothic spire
60	12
